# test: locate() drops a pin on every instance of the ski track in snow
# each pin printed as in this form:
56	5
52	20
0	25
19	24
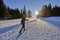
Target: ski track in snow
37	30
41	31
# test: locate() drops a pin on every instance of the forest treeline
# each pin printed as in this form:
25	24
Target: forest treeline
48	11
9	13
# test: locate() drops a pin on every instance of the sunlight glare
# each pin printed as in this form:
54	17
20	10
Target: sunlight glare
36	13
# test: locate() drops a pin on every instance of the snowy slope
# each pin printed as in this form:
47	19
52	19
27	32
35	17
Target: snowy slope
7	23
8	32
35	30
41	30
53	20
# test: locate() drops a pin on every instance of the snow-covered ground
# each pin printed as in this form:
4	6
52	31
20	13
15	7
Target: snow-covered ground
7	23
41	30
53	20
36	29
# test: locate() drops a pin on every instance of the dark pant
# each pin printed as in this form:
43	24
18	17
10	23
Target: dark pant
23	28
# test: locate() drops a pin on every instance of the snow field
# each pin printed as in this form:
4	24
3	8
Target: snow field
41	30
36	29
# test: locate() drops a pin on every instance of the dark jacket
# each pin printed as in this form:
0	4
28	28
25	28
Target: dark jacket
23	20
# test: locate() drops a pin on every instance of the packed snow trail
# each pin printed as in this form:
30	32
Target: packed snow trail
35	30
40	30
10	32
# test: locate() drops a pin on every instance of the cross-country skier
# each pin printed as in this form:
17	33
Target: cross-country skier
23	23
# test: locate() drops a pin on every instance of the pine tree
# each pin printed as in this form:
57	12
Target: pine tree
29	14
2	10
24	11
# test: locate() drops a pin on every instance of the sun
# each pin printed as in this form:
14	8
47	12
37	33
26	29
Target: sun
36	13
